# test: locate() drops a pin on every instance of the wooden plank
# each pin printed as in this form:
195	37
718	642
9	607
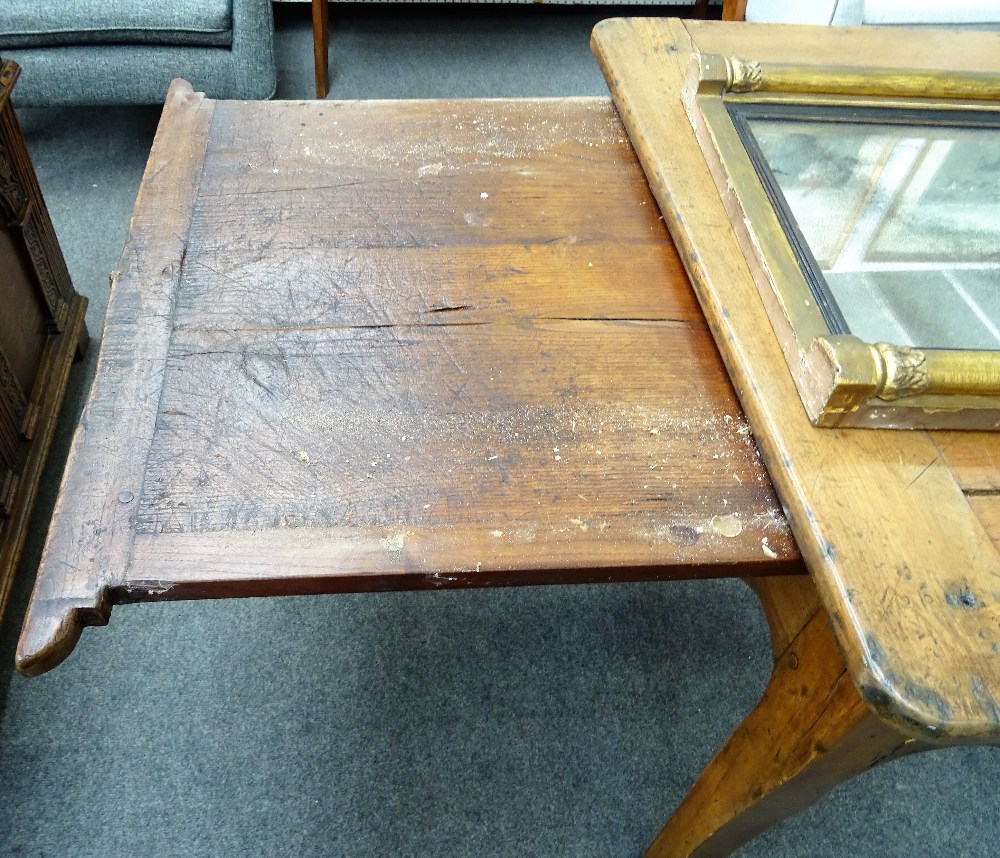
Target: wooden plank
488	284
408	345
987	510
973	457
469	174
328	427
903	566
91	533
502	552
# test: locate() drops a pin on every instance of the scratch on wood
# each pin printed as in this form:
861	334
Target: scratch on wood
923	470
985	700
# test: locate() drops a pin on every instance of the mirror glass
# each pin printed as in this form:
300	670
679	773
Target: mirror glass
900	223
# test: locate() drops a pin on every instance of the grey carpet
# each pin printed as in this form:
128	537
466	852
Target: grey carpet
556	721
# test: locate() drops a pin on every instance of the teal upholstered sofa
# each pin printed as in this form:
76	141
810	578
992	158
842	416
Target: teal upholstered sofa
128	51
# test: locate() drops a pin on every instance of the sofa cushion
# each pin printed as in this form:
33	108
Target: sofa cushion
39	23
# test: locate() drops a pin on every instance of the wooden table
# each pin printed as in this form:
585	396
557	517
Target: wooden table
398	344
900	529
361	346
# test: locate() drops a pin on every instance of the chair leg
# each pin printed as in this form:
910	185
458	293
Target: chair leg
321	44
810	732
734	10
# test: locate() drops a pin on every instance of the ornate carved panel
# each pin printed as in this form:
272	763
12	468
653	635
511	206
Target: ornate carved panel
41	259
41	328
12	197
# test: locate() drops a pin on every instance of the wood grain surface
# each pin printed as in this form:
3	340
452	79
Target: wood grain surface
898	528
398	344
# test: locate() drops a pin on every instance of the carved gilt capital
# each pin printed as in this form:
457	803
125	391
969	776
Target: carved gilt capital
903	371
743	75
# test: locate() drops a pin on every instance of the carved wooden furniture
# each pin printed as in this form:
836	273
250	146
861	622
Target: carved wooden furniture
358	346
900	530
41	327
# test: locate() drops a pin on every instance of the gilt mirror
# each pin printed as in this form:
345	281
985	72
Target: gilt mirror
868	208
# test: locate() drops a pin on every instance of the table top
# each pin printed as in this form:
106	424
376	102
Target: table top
900	529
357	346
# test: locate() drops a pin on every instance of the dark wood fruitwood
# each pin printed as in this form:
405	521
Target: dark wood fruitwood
360	346
41	330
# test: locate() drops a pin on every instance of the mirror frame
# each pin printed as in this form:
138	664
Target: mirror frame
841	379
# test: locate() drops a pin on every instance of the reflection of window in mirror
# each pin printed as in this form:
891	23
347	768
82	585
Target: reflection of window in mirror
867	205
901	223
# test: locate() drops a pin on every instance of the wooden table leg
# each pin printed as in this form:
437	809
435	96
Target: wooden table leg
321	43
810	731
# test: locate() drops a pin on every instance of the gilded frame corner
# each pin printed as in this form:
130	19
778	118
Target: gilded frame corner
841	379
